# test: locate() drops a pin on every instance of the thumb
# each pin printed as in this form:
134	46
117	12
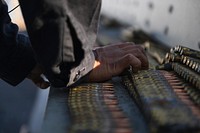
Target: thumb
39	81
37	77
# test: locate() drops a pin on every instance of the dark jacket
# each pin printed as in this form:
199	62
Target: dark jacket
62	34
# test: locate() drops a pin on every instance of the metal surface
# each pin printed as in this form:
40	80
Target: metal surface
57	118
21	106
172	22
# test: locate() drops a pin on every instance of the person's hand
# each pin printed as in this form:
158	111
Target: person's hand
37	78
113	59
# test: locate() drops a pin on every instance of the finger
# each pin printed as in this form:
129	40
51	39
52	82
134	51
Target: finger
123	63
122	50
43	84
40	82
117	50
113	49
139	52
140	56
114	56
112	46
129	47
125	44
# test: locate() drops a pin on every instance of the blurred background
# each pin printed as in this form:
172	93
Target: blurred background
172	22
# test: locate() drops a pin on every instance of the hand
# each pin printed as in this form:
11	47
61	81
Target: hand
113	59
36	77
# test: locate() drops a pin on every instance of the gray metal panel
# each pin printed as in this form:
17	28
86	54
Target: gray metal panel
22	105
172	22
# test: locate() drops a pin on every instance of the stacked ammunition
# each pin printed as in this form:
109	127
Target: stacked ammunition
94	109
189	75
186	63
155	96
186	93
184	55
192	63
186	51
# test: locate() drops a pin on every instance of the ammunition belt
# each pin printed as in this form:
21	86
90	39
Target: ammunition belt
186	63
157	98
187	74
169	99
94	108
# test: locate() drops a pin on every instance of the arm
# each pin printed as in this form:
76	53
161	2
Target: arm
16	54
113	59
62	36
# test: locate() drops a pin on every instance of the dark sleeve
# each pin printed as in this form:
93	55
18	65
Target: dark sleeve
16	54
62	34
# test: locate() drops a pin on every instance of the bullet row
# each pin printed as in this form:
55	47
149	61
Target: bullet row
190	62
154	94
182	50
182	88
172	57
184	55
94	108
187	74
187	93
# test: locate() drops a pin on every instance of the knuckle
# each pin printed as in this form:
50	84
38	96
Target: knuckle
129	57
131	43
140	47
138	65
137	52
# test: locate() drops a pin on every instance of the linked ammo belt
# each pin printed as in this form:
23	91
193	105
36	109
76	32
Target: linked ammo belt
170	97
94	109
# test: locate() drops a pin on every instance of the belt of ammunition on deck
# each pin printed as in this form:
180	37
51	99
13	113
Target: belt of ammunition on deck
94	109
169	96
187	74
186	63
161	106
182	50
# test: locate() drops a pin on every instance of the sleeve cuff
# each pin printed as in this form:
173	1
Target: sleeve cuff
78	74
